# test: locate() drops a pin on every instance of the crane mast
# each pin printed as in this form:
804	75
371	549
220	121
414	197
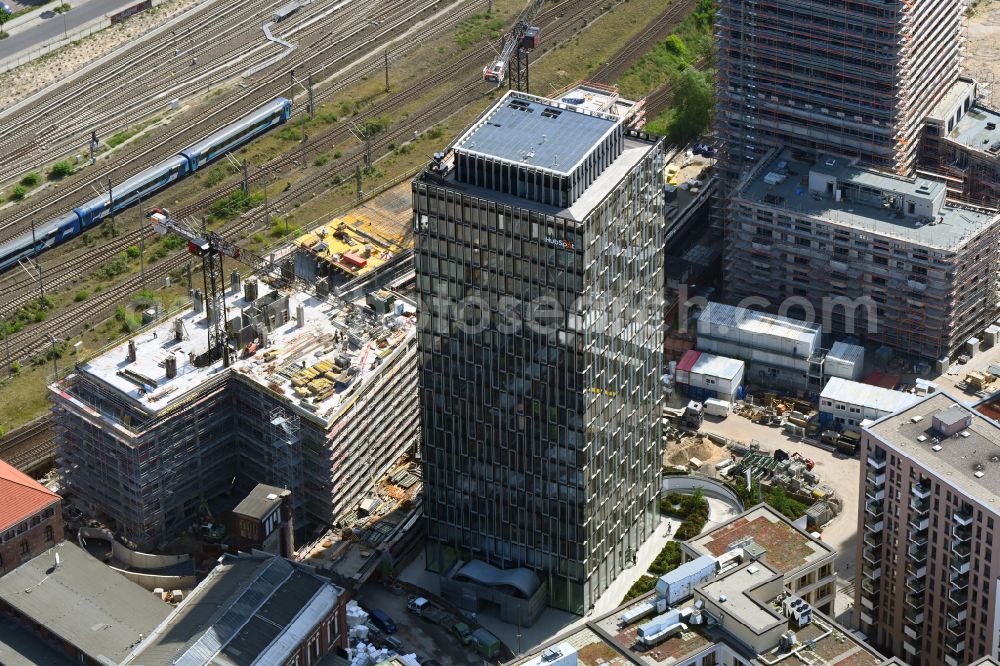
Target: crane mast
211	247
523	37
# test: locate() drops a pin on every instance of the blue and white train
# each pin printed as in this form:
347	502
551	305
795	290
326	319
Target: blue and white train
144	184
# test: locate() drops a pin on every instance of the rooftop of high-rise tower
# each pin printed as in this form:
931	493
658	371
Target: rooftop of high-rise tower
542	133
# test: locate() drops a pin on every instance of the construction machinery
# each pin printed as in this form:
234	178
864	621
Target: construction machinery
522	38
211	247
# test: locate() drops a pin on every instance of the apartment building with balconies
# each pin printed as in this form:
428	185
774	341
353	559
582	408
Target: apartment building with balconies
927	589
864	253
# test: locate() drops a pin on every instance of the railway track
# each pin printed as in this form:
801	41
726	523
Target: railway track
29	447
18	288
225	40
559	21
347	44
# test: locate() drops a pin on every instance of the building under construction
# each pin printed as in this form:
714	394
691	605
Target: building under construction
321	401
854	79
882	257
961	145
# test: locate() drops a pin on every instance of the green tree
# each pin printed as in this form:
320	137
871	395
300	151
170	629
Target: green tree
691	106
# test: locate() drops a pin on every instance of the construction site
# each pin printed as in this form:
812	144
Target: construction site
300	386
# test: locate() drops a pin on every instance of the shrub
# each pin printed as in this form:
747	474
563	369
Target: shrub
115	266
60	170
435	132
31	179
15	367
337	155
668	559
215	176
18	193
132	252
641	587
321	160
80	296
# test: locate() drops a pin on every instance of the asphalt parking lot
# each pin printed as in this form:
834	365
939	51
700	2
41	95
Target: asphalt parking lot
416	634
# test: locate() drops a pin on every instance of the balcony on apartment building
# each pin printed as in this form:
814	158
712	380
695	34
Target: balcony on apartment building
874	539
872	526
918	522
875	509
914	617
916	537
957	606
876	463
917	553
919	507
872	555
963	519
961	534
916	570
871	572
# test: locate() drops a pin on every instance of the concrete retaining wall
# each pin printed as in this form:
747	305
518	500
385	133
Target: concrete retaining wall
152	581
133	558
687	484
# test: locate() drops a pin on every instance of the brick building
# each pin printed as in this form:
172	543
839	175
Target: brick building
30	518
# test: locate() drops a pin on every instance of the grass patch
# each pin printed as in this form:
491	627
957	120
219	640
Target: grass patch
35	310
234	205
119	138
672	61
478	27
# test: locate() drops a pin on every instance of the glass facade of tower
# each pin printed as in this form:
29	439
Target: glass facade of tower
540	335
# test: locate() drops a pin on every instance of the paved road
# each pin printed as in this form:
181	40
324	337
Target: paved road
37	30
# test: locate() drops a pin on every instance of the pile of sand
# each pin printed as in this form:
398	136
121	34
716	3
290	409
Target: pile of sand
35	75
701	448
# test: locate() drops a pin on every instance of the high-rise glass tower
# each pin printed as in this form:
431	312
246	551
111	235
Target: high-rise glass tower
540	273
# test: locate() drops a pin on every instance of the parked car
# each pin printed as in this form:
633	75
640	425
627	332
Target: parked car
382	620
463	632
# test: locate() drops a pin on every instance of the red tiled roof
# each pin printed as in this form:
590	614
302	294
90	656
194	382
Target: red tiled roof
20	496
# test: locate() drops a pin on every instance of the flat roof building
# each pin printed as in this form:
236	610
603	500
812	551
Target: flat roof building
928	516
742	615
806	564
547	218
845	404
322	398
79	605
878	256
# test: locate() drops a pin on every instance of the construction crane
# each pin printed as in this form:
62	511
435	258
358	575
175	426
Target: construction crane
522	38
211	247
